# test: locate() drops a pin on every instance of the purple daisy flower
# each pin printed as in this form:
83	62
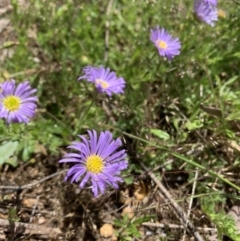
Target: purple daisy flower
167	45
99	160
105	80
206	12
212	2
16	102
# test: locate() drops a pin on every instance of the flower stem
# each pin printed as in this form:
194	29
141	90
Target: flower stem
85	114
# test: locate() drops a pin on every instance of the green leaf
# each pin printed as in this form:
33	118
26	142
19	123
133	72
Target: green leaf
229	82
128	238
234	116
143	219
12	215
225	223
129	180
160	134
194	125
237	55
7	150
134	231
12	161
28	149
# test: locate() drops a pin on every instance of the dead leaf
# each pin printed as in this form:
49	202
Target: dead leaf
212	110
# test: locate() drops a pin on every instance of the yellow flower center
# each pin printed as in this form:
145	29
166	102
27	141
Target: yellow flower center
12	103
162	44
221	13
94	164
103	83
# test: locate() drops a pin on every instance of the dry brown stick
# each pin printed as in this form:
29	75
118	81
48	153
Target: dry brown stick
161	225
26	228
191	200
108	112
178	210
30	185
34	209
28	72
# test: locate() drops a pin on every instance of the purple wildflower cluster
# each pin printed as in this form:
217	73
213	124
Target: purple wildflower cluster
167	45
99	159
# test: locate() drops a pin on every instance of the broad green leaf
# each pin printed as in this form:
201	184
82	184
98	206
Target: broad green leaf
234	116
7	150
237	55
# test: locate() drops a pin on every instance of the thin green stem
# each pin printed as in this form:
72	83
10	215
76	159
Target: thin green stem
189	161
85	113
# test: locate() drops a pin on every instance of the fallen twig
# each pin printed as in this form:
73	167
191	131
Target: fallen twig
178	210
26	228
161	225
30	185
191	200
